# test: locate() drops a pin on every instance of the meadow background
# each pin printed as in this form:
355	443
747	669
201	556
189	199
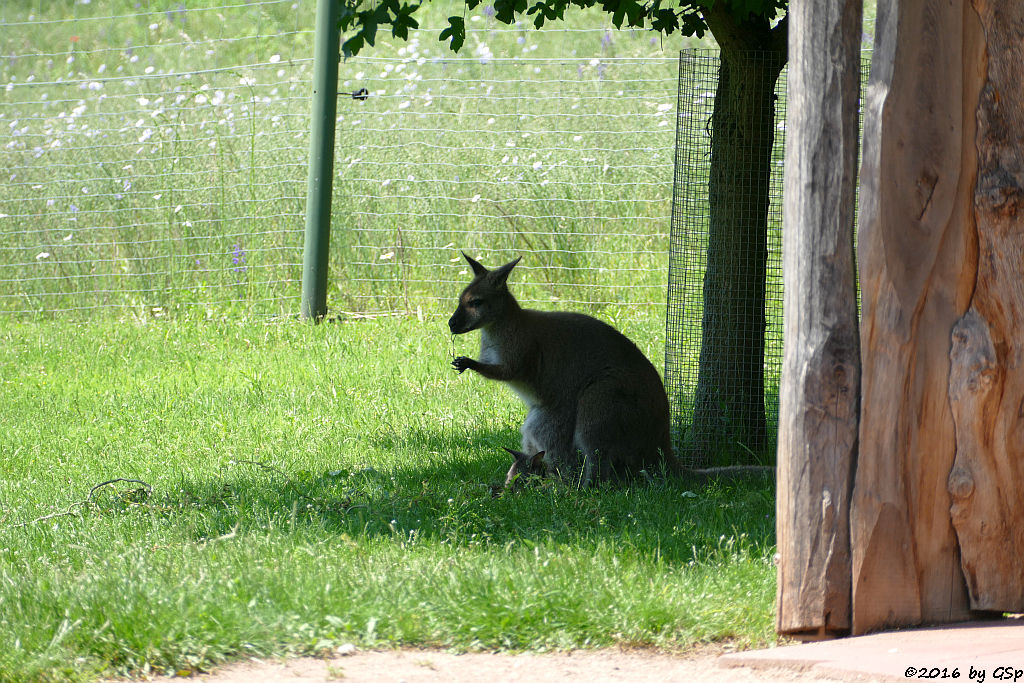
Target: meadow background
156	160
287	488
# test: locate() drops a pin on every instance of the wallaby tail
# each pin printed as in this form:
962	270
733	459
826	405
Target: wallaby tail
732	472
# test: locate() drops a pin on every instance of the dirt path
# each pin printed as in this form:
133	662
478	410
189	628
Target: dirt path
978	650
431	666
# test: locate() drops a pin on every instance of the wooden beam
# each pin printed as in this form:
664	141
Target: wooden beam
987	375
918	260
818	403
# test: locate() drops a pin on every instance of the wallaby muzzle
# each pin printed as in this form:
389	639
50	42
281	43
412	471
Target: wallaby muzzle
457	323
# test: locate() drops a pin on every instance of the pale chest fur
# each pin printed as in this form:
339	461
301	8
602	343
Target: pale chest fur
491	354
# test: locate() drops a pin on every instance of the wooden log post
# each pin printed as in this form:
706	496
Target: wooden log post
918	263
818	403
986	387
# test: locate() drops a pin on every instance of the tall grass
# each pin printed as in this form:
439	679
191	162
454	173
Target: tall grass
308	486
152	146
151	150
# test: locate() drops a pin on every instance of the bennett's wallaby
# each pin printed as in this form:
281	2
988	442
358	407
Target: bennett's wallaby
596	405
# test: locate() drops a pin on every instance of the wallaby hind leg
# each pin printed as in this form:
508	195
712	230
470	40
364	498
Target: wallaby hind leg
616	431
531	432
601	436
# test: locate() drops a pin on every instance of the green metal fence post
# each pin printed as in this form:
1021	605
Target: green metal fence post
326	55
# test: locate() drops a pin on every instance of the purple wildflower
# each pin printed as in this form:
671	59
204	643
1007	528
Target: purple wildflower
238	258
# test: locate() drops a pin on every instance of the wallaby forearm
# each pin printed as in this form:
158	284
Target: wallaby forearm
498	372
490	371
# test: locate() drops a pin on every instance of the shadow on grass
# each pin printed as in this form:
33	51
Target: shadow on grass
452	496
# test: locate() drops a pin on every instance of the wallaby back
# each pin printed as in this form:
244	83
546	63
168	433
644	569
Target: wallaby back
596	405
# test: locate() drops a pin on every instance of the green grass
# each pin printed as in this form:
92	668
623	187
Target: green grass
309	486
151	146
318	485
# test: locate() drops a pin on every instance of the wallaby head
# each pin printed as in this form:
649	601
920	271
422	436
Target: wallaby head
485	300
524	465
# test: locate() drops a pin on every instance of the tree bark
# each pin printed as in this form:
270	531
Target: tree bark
918	259
818	407
987	376
729	422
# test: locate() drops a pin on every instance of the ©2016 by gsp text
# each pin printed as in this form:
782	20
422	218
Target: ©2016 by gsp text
972	673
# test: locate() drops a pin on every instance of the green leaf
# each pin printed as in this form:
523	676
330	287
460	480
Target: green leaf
505	11
665	21
368	30
403	21
351	47
456	32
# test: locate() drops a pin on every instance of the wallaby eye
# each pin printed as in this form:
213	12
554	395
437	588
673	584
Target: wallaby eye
476	302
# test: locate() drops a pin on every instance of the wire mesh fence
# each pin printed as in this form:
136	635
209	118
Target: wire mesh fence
156	162
564	161
724	320
154	159
720	255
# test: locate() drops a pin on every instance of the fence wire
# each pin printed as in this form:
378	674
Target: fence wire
689	321
156	161
566	162
721	412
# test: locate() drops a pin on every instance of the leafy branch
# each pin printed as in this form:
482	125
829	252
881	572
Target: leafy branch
664	16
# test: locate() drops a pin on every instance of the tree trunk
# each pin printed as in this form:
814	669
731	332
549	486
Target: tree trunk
918	263
818	406
729	425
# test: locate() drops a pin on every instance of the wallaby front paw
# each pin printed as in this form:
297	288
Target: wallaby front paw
462	363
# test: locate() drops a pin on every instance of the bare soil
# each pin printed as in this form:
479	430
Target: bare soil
430	666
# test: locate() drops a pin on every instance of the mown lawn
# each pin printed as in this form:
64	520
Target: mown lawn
304	486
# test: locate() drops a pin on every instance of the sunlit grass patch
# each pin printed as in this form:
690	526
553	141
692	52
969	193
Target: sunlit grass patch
308	486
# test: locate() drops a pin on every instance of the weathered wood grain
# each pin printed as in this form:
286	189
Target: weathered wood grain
818	404
986	386
918	262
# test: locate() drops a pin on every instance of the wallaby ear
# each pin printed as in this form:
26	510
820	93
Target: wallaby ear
514	454
538	460
501	274
477	268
